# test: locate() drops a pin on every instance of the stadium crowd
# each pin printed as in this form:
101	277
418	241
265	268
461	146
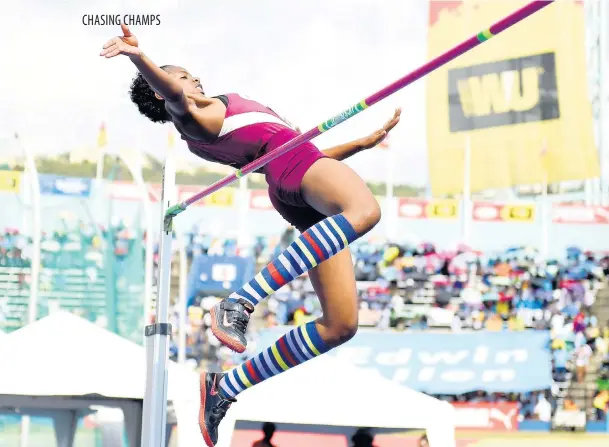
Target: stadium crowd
400	286
75	244
422	288
73	272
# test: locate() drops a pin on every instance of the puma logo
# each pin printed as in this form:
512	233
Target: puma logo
505	419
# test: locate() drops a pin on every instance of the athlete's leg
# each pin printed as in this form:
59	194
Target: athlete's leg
332	189
334	281
334	284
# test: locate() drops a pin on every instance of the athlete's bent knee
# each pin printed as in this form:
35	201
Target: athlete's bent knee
364	217
341	332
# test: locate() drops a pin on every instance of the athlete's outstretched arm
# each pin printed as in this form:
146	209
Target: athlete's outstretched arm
159	80
353	147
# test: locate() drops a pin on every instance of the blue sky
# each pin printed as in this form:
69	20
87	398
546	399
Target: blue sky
308	60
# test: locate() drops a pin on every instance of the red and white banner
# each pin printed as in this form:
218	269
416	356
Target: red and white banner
259	200
503	212
428	209
499	416
580	214
122	190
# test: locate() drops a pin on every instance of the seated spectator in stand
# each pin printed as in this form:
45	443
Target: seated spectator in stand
570	405
601	404
543	409
270	319
560	357
580	339
516	323
494	323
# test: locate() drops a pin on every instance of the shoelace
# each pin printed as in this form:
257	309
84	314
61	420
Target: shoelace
218	412
240	321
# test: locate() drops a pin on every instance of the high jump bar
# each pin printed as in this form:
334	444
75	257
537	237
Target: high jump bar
503	24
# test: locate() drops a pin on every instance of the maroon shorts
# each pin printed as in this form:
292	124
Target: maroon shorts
284	177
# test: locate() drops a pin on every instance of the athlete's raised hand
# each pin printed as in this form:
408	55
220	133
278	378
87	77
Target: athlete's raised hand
377	137
126	44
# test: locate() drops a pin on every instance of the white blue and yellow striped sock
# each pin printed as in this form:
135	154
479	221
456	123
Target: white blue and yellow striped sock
320	242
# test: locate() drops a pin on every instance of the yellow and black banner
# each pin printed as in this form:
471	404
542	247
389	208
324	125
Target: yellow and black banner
428	209
519	100
503	212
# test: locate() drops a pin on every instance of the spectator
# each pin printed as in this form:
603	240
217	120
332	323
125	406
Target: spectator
494	323
560	357
601	404
569	405
543	409
362	438
582	360
268	428
423	442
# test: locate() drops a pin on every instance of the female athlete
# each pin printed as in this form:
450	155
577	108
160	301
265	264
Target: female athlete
322	197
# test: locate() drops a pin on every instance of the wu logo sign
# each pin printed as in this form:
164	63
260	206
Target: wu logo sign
503	93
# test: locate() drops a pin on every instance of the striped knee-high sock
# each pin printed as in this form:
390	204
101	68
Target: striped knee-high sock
320	242
297	346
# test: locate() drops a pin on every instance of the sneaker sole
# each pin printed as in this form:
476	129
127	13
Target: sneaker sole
226	340
202	424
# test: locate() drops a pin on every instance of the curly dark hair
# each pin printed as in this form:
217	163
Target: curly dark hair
143	97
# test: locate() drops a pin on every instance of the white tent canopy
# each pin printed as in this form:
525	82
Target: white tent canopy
327	391
63	356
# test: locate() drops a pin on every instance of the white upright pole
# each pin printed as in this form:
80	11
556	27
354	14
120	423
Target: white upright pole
24	438
34	184
138	175
30	165
243	204
157	335
466	207
182	311
26	227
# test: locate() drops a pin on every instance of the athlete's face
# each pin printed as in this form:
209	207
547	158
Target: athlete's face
190	84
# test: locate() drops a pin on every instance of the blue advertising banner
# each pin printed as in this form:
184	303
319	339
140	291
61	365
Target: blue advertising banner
218	274
64	186
449	363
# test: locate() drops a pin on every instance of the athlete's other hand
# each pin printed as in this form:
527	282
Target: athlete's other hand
126	44
377	137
